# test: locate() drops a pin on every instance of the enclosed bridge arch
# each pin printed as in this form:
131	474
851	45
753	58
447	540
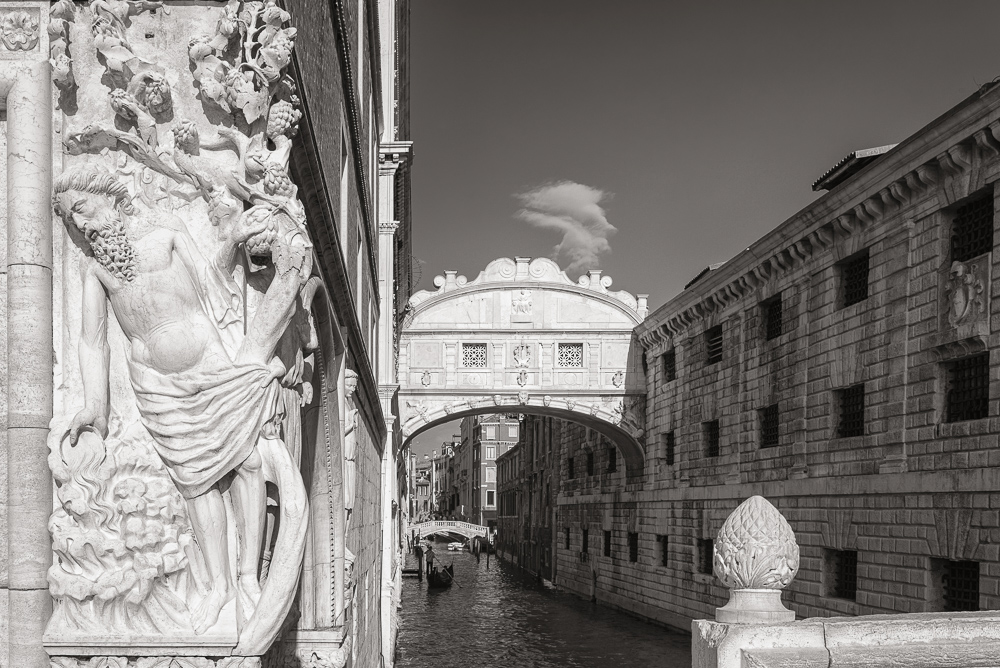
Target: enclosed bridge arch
524	338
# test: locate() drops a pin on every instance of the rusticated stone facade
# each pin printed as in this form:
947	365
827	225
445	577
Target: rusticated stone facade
843	367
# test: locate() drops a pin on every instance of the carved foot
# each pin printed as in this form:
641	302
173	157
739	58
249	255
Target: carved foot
207	613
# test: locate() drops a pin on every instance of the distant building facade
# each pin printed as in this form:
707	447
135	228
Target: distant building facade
488	436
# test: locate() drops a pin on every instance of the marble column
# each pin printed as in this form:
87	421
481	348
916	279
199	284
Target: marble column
26	87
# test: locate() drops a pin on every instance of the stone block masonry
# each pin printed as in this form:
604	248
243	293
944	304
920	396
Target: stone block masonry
854	385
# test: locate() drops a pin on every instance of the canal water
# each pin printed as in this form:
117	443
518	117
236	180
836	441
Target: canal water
497	617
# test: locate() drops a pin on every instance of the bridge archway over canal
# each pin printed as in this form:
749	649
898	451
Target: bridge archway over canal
524	338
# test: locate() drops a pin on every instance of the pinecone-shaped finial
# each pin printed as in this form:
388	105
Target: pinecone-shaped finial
756	548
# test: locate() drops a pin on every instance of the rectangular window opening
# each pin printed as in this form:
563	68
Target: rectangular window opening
570	355
851	403
612	459
706	555
571	471
585	540
474	355
956	584
607	543
669	364
769	426
590	463
713	345
711	434
773	322
633	547
566	532
842	574
854	278
972	229
664	542
968	394
669	447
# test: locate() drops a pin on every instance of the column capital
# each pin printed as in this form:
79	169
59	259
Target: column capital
388	227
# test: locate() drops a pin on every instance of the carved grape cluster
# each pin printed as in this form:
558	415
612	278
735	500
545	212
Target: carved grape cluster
276	181
283	120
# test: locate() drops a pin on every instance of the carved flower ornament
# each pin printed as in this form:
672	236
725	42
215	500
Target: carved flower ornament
756	548
19	31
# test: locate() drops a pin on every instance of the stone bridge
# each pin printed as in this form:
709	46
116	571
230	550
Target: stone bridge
466	529
524	338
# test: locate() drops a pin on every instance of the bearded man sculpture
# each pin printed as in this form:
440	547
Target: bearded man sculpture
214	417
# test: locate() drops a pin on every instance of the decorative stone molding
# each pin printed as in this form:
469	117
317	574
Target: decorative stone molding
157	662
756	556
62	14
19	29
967	292
952	166
542	271
962	348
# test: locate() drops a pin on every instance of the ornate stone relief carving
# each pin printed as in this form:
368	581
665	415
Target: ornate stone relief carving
522	398
425	378
522	355
19	29
546	401
756	548
967	292
522	378
191	228
156	662
60	16
756	556
521	302
618	379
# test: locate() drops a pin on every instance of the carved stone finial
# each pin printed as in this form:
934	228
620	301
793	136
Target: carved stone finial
756	556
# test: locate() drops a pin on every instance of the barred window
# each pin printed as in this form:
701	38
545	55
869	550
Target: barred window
706	553
585	540
570	354
713	345
854	277
711	433
607	543
769	426
669	446
669	365
474	355
852	411
972	229
664	542
842	574
968	388
633	547
771	310
612	459
960	585
590	463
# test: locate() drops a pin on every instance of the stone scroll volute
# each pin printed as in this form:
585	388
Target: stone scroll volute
186	281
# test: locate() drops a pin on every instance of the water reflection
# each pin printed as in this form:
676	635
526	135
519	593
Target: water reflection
498	617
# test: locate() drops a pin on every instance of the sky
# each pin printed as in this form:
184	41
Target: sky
651	138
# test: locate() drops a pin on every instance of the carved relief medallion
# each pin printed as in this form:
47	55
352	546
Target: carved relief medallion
522	378
19	30
522	397
425	379
618	378
521	303
966	288
522	355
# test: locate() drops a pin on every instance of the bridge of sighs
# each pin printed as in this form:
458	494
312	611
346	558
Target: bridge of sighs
524	338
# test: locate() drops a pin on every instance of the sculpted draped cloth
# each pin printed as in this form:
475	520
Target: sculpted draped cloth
205	423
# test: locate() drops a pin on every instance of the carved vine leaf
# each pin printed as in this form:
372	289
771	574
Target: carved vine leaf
756	548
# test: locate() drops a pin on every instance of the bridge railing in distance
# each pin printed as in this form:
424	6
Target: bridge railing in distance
755	629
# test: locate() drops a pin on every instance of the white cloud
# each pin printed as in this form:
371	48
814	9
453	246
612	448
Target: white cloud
573	210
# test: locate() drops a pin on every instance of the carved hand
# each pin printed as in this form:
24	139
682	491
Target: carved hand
253	222
88	417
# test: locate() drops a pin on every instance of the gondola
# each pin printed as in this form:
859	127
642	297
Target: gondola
439	579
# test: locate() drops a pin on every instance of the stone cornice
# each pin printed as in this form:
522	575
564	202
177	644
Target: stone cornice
911	171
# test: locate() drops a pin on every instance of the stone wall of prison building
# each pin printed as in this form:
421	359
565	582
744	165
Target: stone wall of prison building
904	476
